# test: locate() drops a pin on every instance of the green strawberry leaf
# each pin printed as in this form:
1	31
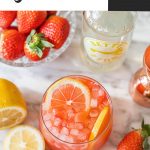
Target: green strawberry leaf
29	39
142	123
144	133
39	52
46	43
30	36
40	35
146	144
40	45
147	128
37	43
32	45
32	32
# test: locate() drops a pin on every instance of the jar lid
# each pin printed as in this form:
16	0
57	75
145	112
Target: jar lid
111	23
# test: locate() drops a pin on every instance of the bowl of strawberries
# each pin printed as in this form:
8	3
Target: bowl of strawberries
29	38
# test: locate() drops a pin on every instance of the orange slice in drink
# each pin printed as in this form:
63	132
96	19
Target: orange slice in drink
100	123
68	93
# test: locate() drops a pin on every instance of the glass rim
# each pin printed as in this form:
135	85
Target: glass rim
105	35
104	131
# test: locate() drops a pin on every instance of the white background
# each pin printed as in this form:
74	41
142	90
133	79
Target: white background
55	5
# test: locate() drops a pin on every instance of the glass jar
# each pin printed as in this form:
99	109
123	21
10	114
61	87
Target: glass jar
106	37
58	122
140	82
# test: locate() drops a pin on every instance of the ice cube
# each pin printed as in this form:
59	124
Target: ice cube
57	122
94	113
79	126
95	90
81	117
70	139
64	131
91	123
63	137
94	103
48	124
55	131
47	117
76	125
101	92
74	132
84	135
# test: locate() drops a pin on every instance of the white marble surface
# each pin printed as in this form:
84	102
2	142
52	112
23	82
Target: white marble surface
34	81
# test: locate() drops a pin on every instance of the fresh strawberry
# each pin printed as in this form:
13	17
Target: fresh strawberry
11	44
51	13
6	18
36	46
56	29
28	20
136	139
13	27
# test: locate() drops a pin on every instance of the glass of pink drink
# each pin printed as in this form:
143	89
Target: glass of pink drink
76	114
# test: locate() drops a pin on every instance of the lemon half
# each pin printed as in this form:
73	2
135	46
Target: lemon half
13	109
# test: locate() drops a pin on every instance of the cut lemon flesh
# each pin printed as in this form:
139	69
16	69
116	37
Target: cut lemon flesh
24	138
100	122
68	92
11	116
12	105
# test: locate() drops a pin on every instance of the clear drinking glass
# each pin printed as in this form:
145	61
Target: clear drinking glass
106	37
59	125
140	82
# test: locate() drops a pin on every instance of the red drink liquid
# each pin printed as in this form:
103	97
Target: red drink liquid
71	108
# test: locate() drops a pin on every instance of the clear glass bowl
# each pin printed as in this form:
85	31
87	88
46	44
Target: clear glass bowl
25	62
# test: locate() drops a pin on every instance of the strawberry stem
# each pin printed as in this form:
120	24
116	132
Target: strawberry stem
37	43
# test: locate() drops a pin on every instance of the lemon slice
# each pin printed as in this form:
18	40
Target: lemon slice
12	105
68	91
24	138
100	123
11	116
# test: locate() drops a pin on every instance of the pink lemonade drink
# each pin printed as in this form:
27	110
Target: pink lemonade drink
76	114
